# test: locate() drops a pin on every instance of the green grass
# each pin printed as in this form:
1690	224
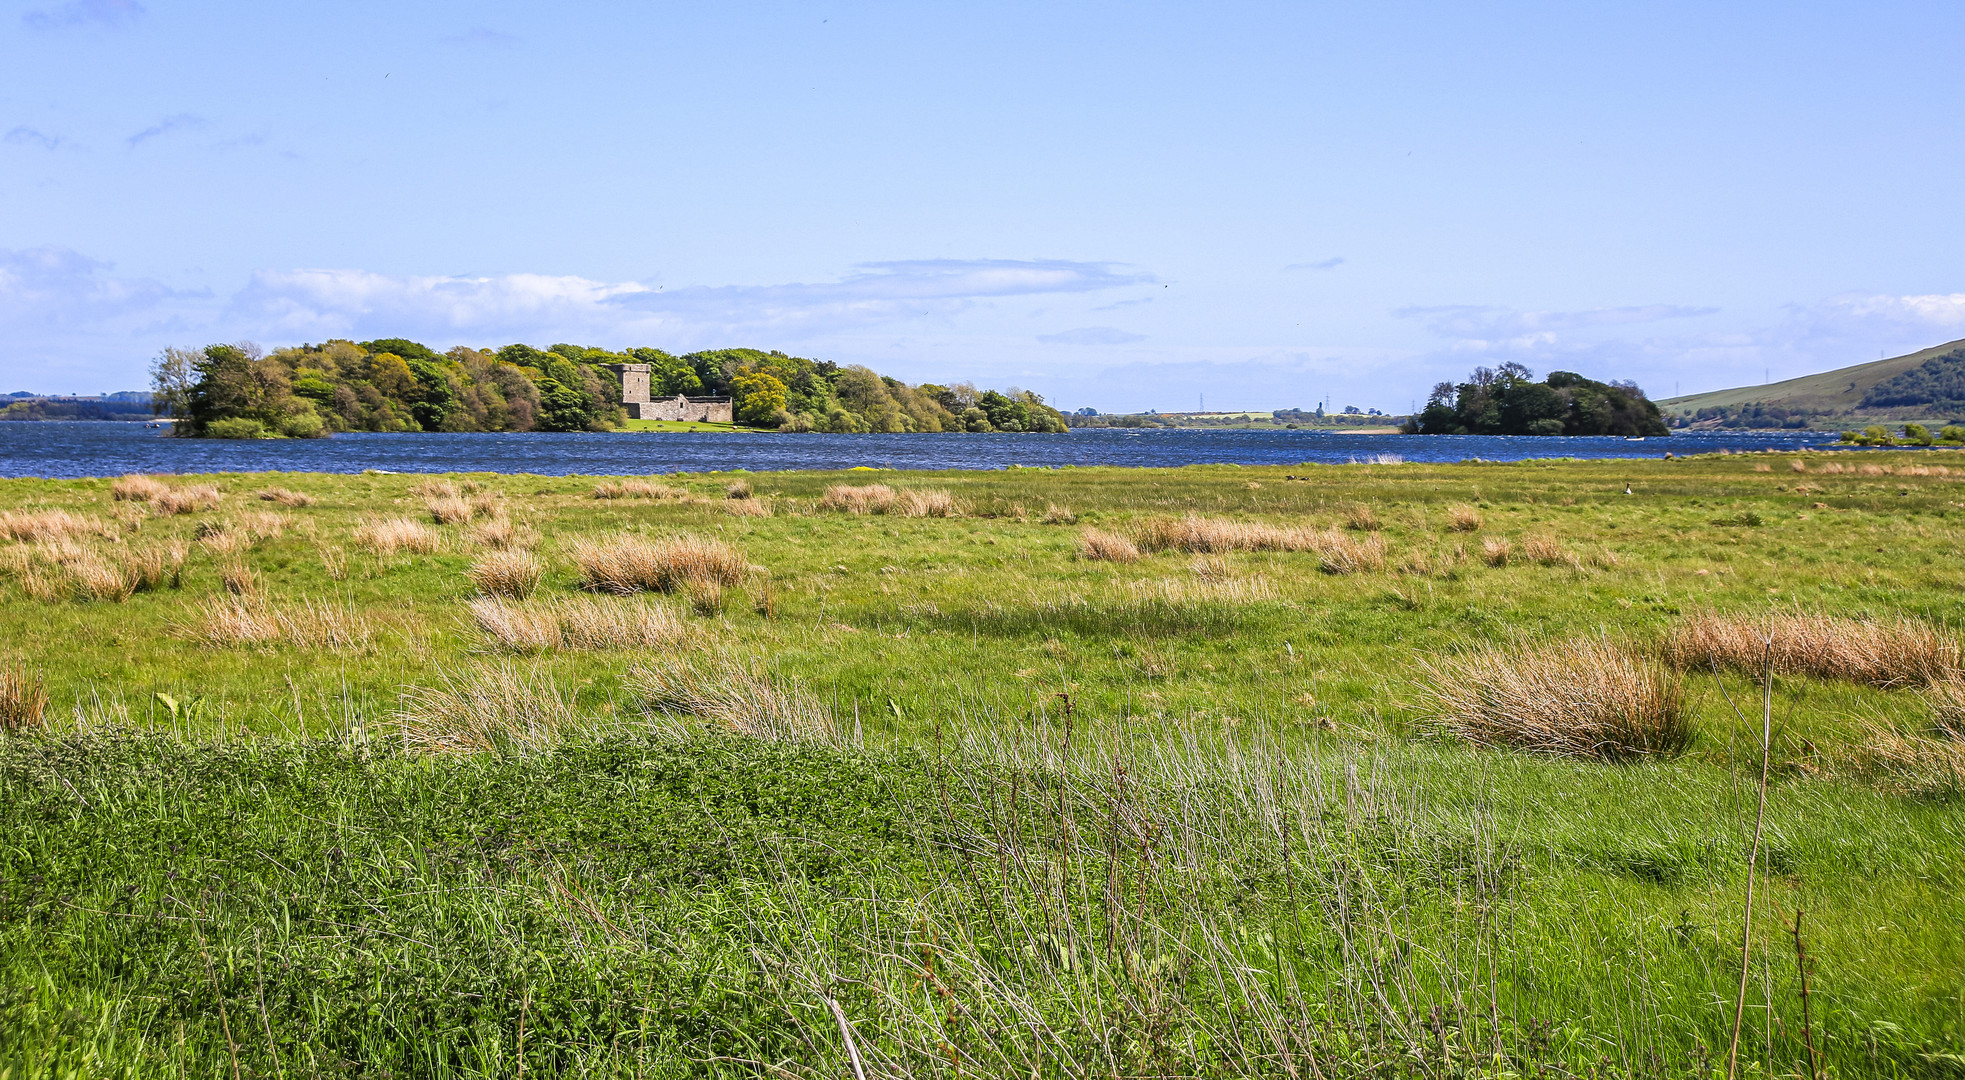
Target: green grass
1175	817
1840	390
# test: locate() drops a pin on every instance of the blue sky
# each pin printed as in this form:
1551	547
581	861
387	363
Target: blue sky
1122	206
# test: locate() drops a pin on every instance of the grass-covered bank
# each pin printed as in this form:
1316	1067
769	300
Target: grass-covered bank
1014	799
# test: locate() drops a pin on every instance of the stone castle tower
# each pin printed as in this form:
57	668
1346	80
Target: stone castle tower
640	406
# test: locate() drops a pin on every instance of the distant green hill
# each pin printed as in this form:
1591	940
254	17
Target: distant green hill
1918	386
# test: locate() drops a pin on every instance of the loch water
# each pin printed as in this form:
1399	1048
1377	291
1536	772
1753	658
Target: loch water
105	448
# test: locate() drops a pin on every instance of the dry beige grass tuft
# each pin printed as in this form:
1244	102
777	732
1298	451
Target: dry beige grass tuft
628	564
1798	465
636	489
729	694
1888	653
1762	466
927	502
266	525
1545	550
239	579
449	509
23	700
251	620
154	568
1361	517
758	508
1946	697
101	579
135	487
1497	551
1202	534
1341	554
491	708
35	526
434	489
577	623
1464	519
286	497
1911	762
513	573
881	499
1058	515
185	500
740	490
391	535
500	533
1097	545
1585	698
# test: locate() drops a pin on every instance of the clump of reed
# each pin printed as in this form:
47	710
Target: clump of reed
499	533
1497	551
238	579
1545	550
449	509
1341	554
23	700
252	620
881	499
1097	545
1887	653
636	489
433	488
628	564
391	535
493	708
188	499
740	490
220	538
747	507
1913	762
157	567
266	525
285	497
1587	698
1464	519
1362	518
1195	533
1946	698
582	623
101	579
731	694
1058	515
514	573
36	526
135	487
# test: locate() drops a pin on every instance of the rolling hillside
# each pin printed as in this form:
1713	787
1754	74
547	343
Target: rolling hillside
1827	399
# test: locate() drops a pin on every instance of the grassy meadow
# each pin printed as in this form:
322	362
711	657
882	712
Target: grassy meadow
1320	771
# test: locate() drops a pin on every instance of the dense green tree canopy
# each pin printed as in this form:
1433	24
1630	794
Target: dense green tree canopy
1938	382
1508	401
394	384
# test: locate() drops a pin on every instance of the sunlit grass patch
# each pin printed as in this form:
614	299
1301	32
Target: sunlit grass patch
249	619
628	564
882	499
391	535
512	573
637	489
1100	546
34	526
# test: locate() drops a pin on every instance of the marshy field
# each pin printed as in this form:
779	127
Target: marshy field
1552	768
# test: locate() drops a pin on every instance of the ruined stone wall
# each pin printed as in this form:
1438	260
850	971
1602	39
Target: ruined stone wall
712	409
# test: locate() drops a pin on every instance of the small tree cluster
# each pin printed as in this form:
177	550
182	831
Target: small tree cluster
1508	401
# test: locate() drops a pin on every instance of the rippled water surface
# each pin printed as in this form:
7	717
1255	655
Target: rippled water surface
87	448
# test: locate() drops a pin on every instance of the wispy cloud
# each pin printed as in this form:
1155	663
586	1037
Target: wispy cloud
176	122
324	302
1498	325
110	13
27	136
1326	264
51	287
1091	335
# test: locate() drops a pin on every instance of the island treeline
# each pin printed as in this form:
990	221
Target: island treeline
393	384
1508	401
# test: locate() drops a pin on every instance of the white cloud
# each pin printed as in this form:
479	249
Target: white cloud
320	303
1091	335
50	287
84	13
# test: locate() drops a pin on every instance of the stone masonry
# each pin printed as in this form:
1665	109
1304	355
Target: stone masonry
640	406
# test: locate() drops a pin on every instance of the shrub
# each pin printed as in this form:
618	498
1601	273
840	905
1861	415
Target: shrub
1887	653
513	573
397	534
1583	698
1463	519
492	708
236	427
730	694
1101	546
135	487
627	564
286	497
23	700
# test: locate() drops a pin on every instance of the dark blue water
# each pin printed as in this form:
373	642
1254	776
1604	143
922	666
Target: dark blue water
103	448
